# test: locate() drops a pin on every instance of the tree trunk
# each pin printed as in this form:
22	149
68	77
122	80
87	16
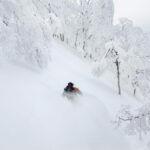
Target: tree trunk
62	37
134	91
118	76
76	39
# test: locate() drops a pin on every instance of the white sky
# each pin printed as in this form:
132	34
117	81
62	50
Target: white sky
136	10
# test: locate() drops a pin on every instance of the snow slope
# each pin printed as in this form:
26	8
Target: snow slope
35	116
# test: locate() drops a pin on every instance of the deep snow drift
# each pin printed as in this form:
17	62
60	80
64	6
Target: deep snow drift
35	116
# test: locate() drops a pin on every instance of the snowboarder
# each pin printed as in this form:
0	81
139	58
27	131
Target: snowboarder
70	91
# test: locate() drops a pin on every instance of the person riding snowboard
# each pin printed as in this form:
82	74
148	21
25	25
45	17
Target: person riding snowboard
70	91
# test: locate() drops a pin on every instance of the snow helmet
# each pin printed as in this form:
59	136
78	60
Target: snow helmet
70	84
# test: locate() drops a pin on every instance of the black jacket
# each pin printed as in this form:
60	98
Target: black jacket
68	89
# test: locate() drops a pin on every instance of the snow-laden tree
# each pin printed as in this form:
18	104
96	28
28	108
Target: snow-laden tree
132	38
136	45
113	57
102	19
84	25
96	23
25	34
131	46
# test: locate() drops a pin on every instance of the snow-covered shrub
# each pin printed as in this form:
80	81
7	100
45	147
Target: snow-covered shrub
135	122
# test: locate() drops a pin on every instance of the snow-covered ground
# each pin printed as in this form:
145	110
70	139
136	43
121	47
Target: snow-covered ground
35	116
